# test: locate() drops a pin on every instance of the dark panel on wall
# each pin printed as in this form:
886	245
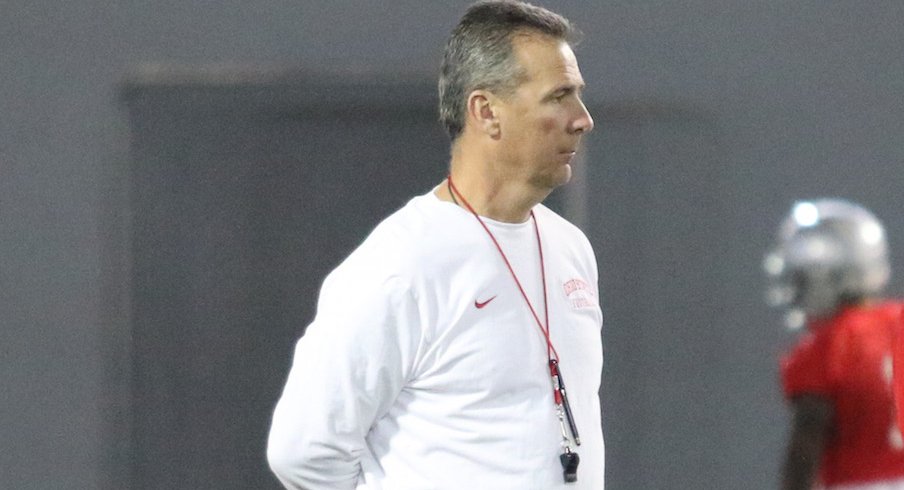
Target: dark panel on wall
247	188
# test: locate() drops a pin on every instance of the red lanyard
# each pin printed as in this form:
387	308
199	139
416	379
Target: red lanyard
551	353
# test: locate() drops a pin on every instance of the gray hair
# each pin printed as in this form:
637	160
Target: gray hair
479	54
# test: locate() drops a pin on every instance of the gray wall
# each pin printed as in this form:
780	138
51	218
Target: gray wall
802	98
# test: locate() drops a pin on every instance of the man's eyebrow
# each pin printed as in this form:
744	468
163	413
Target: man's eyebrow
567	89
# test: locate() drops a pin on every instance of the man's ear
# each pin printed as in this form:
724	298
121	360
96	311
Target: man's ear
483	113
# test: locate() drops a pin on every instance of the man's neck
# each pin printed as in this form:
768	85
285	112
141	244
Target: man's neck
489	191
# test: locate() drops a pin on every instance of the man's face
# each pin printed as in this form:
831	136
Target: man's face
542	122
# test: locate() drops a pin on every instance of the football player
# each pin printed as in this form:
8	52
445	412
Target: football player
844	378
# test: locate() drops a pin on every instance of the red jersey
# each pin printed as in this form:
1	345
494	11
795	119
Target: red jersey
850	360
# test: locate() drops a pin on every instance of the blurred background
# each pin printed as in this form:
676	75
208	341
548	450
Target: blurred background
177	177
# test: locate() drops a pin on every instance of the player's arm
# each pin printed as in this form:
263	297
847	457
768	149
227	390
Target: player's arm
810	427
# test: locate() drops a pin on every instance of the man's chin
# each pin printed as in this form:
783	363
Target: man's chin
563	176
552	180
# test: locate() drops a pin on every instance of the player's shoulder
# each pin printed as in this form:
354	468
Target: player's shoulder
892	308
888	313
883	312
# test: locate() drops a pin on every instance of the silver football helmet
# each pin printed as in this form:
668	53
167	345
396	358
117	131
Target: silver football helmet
827	251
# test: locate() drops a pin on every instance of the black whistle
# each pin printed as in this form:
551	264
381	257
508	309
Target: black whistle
570	462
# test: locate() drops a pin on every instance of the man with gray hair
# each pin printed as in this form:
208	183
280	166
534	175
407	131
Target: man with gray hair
441	346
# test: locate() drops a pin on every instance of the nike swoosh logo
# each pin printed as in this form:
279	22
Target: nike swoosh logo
480	305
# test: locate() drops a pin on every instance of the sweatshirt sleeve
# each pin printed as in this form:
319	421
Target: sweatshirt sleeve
348	369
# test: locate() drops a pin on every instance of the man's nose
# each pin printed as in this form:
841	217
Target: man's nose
583	123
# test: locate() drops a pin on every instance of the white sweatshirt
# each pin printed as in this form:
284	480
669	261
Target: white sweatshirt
403	382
